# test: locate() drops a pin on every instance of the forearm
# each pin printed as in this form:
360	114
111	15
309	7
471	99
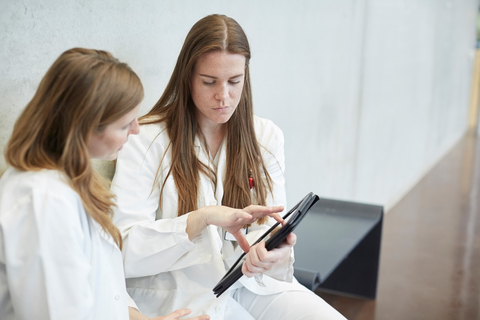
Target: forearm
160	246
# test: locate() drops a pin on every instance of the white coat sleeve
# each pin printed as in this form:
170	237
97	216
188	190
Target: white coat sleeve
45	245
150	246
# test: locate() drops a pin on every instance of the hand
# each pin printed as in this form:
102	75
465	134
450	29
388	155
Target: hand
180	313
259	260
134	314
232	220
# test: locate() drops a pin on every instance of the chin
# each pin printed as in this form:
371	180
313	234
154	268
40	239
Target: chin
223	119
111	157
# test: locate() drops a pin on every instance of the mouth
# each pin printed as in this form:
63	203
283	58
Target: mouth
220	109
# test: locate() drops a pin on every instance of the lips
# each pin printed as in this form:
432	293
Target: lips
221	109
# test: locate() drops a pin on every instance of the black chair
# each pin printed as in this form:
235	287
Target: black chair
338	248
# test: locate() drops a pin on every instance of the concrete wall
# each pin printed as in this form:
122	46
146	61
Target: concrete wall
370	93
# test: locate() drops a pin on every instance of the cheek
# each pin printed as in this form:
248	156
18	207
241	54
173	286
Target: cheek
117	140
123	137
238	95
239	89
202	100
195	96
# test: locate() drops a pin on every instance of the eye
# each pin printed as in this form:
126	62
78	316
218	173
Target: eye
208	83
127	126
234	81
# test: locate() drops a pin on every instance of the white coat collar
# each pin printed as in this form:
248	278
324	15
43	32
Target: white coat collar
206	185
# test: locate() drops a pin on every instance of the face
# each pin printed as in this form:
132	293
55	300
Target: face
216	85
105	144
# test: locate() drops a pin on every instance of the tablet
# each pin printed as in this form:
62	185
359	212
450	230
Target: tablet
297	213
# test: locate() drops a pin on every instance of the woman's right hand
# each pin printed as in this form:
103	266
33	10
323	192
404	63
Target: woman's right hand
175	315
134	314
232	220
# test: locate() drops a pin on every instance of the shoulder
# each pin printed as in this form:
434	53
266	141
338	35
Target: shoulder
27	182
150	135
262	124
268	133
152	130
38	190
142	153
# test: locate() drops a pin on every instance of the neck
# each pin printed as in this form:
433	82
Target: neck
214	136
216	131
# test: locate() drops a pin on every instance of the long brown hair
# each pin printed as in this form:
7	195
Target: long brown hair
82	92
177	110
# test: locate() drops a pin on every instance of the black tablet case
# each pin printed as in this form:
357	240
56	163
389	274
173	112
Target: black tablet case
298	212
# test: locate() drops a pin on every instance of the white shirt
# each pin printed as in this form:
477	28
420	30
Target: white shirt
165	270
55	261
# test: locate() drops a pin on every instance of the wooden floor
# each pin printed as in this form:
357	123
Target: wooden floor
430	256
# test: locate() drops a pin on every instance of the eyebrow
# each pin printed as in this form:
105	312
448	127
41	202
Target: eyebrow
129	123
212	77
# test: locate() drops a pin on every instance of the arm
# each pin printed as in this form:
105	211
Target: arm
148	240
48	271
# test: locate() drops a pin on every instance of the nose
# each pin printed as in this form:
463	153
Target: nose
135	128
222	93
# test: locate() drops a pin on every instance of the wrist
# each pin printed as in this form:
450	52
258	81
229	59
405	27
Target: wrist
195	223
202	217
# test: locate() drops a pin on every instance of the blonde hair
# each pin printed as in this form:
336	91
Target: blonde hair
176	108
82	92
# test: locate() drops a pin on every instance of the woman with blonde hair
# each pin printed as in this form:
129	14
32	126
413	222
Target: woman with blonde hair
59	249
199	149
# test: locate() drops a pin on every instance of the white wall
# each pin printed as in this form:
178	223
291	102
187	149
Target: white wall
369	93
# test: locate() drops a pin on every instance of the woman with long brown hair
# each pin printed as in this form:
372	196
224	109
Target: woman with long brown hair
201	148
59	249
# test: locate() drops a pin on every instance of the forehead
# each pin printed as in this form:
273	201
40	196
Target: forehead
220	63
126	118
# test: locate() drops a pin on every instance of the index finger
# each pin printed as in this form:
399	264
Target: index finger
257	209
277	217
242	242
262	210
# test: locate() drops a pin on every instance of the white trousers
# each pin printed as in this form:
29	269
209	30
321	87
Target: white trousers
287	305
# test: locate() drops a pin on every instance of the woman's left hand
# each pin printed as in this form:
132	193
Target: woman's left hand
259	260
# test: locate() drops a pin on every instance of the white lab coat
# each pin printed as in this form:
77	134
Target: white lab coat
55	261
165	270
